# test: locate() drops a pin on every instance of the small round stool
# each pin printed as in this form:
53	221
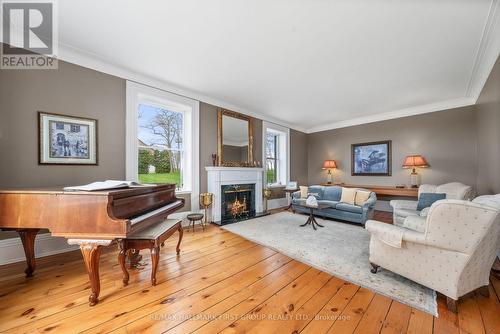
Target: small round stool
194	217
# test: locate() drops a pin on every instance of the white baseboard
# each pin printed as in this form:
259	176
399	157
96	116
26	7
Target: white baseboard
277	203
11	250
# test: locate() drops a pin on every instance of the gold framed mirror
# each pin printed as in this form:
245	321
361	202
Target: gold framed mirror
234	139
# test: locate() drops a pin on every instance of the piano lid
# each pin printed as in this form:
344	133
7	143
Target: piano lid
116	193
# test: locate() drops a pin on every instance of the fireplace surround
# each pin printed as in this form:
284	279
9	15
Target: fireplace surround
220	178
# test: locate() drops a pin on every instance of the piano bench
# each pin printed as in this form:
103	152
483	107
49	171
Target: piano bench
150	238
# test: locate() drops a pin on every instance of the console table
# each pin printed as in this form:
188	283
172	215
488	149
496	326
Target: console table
382	190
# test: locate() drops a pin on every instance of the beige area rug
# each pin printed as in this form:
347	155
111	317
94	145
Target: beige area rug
339	249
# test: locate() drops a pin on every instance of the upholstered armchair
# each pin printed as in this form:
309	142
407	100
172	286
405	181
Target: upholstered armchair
405	208
452	253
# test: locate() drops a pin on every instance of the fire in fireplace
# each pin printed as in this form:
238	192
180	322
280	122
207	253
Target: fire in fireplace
238	202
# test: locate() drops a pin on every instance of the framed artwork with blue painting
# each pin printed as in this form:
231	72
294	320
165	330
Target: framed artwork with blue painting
371	159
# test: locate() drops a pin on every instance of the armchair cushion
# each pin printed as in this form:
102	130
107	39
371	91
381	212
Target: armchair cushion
406	212
415	223
404	204
426	199
425	212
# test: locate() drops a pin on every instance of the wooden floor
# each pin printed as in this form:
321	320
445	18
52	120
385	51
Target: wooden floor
219	283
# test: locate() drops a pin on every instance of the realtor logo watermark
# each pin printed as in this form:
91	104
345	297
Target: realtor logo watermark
29	34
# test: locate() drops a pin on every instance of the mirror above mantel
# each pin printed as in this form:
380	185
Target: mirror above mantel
234	139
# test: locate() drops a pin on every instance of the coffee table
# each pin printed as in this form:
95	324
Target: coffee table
312	220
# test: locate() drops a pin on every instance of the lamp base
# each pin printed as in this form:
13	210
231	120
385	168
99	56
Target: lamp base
329	177
414	180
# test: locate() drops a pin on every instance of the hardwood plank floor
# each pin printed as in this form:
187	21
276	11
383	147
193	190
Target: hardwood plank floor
220	283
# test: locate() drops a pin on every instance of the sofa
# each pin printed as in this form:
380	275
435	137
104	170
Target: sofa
404	208
330	196
452	252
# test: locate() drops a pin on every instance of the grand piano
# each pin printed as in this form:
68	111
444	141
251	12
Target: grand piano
89	219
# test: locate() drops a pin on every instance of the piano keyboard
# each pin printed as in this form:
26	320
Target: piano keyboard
149	214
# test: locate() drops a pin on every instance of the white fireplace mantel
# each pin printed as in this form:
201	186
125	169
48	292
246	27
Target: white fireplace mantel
219	176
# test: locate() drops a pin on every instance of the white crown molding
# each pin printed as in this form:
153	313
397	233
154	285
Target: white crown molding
418	110
95	62
485	59
487	52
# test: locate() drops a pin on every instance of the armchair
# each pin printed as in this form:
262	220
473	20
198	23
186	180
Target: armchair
406	208
452	254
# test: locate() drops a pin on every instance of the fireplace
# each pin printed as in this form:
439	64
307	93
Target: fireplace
238	202
219	177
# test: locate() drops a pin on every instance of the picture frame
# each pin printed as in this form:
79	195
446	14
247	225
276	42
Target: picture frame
292	185
66	140
371	159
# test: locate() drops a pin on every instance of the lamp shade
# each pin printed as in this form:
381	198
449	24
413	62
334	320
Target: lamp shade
413	161
329	164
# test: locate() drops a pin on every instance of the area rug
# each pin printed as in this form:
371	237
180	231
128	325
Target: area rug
339	249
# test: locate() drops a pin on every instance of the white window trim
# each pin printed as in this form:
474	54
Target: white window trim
137	93
284	145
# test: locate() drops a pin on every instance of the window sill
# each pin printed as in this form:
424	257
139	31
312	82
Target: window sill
183	192
275	186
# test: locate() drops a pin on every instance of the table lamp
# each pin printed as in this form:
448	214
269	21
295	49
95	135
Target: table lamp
329	165
414	162
206	200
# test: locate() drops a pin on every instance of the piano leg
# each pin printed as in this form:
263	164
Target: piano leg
91	251
181	232
121	259
28	239
155	258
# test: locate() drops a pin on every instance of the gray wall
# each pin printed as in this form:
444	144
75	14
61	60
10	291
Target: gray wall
208	140
71	90
488	125
298	157
447	139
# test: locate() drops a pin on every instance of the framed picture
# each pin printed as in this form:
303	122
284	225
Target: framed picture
67	140
292	185
371	159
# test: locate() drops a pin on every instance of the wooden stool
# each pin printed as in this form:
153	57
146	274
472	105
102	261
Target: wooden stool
150	238
194	217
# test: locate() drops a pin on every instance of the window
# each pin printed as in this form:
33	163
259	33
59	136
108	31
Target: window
271	157
160	151
163	139
276	154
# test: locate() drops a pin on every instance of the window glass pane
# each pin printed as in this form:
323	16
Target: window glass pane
271	170
160	134
160	127
270	145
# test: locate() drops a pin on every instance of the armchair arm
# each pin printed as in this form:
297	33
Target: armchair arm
404	204
296	194
392	234
370	202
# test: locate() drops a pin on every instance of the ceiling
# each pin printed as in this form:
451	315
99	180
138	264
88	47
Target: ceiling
310	65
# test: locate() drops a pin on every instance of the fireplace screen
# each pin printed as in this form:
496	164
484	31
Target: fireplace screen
238	202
